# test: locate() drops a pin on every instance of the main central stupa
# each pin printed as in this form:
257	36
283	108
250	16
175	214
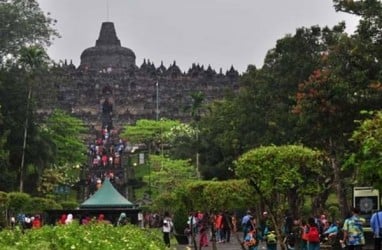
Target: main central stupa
108	52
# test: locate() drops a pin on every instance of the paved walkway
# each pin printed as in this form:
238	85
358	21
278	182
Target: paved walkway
232	245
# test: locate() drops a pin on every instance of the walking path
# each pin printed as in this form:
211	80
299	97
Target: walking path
232	245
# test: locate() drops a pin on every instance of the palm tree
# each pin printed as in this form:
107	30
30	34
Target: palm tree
33	59
198	98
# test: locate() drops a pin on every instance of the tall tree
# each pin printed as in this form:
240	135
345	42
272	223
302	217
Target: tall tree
66	135
366	161
149	132
23	23
260	113
33	59
328	102
282	176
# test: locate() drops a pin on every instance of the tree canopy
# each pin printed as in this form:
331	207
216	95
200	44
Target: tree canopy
23	23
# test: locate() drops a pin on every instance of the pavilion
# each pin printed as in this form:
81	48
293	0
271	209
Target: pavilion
107	201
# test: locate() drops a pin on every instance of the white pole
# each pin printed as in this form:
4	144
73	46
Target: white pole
107	10
157	110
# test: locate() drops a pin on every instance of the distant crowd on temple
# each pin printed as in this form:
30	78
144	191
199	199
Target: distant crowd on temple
104	152
105	155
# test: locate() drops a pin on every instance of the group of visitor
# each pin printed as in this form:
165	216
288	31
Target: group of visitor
84	219
26	222
104	152
297	234
105	156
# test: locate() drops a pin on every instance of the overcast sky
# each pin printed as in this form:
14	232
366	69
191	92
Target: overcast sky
219	33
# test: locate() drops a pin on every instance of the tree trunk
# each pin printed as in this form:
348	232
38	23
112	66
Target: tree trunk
340	190
338	183
22	163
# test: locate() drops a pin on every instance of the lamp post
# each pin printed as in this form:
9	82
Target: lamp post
157	100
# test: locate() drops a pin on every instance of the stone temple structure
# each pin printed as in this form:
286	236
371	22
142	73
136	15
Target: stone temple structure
108	78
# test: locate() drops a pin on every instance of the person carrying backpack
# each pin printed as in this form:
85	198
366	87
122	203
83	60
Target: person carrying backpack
251	240
313	235
270	239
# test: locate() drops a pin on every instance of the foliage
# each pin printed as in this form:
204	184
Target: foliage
39	205
367	160
206	196
347	81
282	175
74	236
23	23
166	174
66	135
148	130
260	113
18	202
183	141
216	195
220	139
69	204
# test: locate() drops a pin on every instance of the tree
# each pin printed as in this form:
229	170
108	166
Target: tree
260	113
366	161
24	28
167	174
329	101
33	59
149	132
23	23
220	139
282	176
67	137
183	141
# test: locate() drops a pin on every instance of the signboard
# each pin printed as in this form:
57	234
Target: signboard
367	200
141	158
62	189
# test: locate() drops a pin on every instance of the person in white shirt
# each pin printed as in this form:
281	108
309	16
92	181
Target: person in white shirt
167	228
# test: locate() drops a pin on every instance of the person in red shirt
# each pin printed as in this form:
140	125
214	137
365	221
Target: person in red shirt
62	219
36	223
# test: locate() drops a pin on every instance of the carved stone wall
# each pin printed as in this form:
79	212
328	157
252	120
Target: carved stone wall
135	92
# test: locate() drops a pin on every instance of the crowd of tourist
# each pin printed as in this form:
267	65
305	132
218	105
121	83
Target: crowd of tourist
203	228
296	233
105	156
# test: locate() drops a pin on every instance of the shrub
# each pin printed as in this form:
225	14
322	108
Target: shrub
69	205
18	202
75	236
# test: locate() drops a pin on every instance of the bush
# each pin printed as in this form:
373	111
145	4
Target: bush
39	205
74	236
18	202
69	205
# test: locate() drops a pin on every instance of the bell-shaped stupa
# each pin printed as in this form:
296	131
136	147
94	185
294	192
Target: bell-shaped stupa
108	52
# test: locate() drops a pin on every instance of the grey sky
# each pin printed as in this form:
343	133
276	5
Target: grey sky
219	33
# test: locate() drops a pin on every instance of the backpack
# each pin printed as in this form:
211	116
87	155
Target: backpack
313	235
250	239
271	238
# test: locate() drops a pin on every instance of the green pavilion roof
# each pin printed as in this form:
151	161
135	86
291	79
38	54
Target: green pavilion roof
107	197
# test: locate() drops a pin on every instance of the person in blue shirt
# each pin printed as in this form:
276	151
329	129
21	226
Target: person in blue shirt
376	226
244	223
331	231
